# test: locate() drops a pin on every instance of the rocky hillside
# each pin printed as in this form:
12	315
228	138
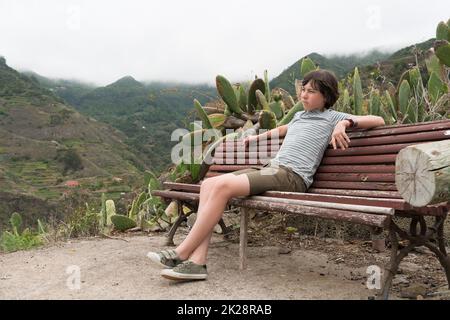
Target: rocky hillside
47	147
340	65
147	113
390	65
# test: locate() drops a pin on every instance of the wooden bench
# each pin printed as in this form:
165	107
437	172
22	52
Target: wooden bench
355	185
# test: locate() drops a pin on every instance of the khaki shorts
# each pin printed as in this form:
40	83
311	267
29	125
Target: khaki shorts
272	178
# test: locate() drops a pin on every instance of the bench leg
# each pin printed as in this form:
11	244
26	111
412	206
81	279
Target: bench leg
440	250
225	230
181	217
394	262
243	239
424	238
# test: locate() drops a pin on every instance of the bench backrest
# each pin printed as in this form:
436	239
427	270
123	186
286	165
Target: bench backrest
366	168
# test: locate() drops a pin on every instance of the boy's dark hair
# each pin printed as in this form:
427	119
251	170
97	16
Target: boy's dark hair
325	81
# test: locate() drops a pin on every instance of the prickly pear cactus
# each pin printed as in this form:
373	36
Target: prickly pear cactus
252	102
357	93
442	50
267	120
306	66
288	117
403	97
277	108
287	99
110	211
122	223
262	101
16	222
202	115
228	94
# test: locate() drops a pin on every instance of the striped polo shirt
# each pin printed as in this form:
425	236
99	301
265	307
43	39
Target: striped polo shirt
306	140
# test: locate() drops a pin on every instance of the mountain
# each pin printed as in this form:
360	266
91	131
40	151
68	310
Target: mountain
391	68
340	65
147	113
389	65
70	90
44	143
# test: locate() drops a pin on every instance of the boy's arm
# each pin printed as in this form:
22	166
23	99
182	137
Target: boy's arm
340	139
282	130
367	122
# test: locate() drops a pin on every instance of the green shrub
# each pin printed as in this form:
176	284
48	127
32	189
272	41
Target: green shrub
19	240
83	222
71	160
55	119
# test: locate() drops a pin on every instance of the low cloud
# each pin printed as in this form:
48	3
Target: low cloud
192	41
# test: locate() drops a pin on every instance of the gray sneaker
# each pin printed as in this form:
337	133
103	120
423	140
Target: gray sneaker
187	270
165	258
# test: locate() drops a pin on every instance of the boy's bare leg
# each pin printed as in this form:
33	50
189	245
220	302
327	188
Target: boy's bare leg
199	255
205	192
205	195
220	191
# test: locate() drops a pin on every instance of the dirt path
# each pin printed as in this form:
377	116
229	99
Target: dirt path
117	269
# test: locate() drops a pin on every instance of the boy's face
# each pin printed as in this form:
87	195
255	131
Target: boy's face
312	98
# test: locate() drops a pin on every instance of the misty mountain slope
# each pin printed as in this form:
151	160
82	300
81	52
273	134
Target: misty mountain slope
44	143
340	65
390	65
70	90
146	113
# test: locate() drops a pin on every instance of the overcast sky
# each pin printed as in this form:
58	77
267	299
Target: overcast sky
194	40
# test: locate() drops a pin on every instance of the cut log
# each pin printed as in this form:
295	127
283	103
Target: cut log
422	173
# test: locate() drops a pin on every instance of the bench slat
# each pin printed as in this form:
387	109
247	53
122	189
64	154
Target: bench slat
377	168
177	195
330	205
401	138
359	151
245	155
211	174
364	177
401	129
384	158
241	161
333	214
182	186
398	204
238	146
355	185
357	193
230	167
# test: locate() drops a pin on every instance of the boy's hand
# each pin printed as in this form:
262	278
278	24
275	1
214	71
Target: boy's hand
339	138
